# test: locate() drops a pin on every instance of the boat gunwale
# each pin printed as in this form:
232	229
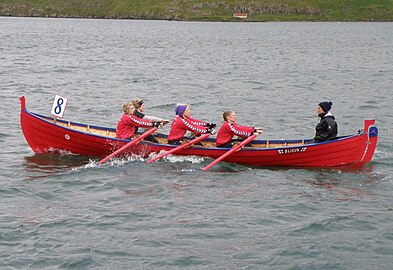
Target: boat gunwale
306	142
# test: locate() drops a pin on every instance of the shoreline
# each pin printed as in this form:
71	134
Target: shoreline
188	20
203	10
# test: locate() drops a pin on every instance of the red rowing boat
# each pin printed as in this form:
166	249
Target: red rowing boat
49	135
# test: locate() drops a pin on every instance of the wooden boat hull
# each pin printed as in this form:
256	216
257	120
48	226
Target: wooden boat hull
47	135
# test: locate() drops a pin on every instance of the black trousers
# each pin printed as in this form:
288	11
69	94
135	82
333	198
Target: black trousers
225	145
149	138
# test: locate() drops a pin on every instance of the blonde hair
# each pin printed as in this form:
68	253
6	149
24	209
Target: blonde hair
127	108
226	114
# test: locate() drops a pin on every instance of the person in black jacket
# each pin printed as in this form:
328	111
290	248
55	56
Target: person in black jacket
326	129
139	108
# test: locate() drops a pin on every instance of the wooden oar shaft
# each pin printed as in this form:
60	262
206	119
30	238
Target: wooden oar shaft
182	146
230	152
131	143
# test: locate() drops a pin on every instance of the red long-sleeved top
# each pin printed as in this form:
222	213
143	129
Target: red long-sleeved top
126	126
180	126
227	131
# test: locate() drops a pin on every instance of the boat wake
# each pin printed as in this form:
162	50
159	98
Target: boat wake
118	161
175	159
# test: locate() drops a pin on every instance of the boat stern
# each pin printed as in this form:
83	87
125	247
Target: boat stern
372	138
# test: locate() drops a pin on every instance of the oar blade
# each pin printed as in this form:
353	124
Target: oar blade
128	145
230	152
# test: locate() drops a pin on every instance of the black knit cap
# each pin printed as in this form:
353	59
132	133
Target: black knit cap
326	106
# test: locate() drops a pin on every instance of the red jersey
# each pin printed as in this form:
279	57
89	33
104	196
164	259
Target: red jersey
126	126
227	131
180	126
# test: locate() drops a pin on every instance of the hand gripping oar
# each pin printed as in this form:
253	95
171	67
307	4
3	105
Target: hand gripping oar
131	143
194	141
230	152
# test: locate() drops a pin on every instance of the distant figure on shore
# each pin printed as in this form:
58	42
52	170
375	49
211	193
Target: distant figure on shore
326	129
230	128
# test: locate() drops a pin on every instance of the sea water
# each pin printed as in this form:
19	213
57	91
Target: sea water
63	212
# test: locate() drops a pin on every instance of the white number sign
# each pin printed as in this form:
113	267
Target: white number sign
59	106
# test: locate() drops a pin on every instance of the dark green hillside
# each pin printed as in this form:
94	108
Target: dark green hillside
208	10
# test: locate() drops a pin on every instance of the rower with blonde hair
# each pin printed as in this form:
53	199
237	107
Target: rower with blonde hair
128	122
230	128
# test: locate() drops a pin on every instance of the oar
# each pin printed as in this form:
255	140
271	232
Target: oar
131	143
230	152
194	141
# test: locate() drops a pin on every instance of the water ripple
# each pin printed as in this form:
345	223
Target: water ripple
63	211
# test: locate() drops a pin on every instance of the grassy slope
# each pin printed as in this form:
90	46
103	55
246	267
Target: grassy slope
207	10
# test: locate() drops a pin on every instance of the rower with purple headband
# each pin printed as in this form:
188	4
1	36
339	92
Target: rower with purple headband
184	122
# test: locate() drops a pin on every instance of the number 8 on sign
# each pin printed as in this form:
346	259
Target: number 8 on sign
59	105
